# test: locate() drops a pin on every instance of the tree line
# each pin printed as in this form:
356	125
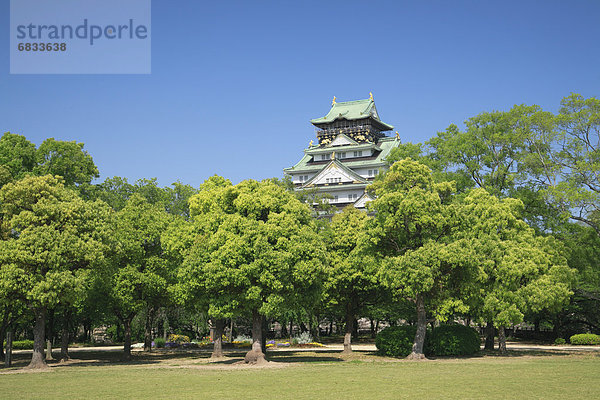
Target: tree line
494	224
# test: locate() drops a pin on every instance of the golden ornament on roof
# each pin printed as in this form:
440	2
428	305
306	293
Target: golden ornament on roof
397	135
370	95
310	144
333	101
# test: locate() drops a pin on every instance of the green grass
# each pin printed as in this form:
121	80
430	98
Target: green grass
312	375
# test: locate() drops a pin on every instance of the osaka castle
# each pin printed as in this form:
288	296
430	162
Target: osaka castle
351	150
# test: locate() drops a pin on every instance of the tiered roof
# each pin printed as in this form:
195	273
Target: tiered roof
352	111
384	146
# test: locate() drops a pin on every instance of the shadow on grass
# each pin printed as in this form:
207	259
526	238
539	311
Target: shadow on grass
290	356
172	357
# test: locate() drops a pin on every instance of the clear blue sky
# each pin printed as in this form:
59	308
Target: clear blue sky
234	84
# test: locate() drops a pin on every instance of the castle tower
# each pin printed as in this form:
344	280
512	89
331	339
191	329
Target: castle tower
351	151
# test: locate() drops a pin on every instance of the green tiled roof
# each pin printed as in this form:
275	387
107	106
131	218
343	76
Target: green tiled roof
352	110
346	147
386	145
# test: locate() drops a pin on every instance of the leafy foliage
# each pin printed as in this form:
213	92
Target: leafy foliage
396	341
17	156
453	340
22	344
585	338
67	159
255	248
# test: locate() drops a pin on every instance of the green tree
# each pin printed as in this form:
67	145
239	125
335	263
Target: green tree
114	191
414	231
17	156
352	278
570	171
256	252
140	274
177	199
56	238
519	271
67	159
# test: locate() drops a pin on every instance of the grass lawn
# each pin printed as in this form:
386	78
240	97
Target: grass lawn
307	375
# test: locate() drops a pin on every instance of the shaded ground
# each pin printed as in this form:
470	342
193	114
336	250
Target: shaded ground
304	374
112	356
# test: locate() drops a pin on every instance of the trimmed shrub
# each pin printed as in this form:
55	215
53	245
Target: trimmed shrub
585	338
22	344
452	340
560	341
445	340
396	341
160	342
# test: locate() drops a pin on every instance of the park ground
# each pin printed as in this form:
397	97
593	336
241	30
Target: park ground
528	371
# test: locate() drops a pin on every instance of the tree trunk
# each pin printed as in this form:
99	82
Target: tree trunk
50	329
148	329
501	340
8	356
86	330
2	333
230	337
489	336
49	350
64	336
39	335
291	330
256	355
284	331
263	338
218	341
303	327
127	340
418	344
372	321
165	327
349	330
4	328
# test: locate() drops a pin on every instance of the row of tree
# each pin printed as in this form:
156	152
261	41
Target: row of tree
475	225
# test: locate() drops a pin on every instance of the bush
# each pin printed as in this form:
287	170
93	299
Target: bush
22	345
445	340
396	341
160	342
585	338
560	341
452	340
